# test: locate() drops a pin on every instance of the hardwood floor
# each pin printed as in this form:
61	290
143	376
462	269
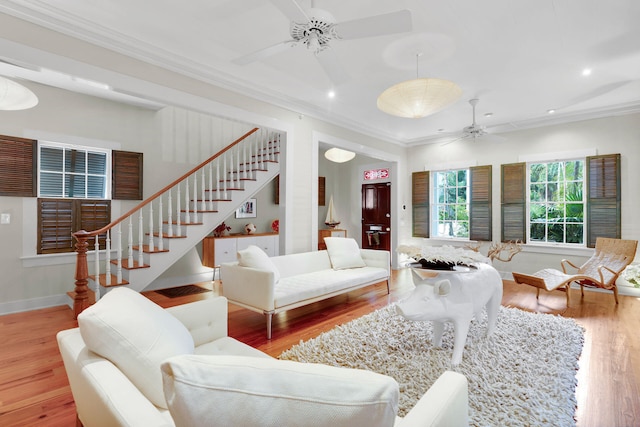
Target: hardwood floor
34	390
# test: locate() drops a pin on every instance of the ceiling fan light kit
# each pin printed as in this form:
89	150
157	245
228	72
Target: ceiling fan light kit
418	98
339	155
14	96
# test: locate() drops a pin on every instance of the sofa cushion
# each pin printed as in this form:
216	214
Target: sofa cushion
308	286
344	253
249	391
255	257
136	335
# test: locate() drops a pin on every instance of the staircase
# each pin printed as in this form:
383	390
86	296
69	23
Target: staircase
148	239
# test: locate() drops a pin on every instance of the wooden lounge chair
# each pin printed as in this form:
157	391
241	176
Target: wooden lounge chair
600	271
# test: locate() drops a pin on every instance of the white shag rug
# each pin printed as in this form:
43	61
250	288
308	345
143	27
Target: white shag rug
523	375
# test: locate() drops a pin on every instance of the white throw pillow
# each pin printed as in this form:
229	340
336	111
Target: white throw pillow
344	253
251	391
136	335
255	257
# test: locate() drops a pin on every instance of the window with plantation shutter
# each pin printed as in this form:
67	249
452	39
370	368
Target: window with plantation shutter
17	167
513	203
59	218
420	203
480	203
126	175
603	197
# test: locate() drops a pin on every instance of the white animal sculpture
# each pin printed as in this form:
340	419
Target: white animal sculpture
458	299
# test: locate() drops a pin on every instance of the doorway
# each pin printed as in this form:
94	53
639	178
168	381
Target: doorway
376	216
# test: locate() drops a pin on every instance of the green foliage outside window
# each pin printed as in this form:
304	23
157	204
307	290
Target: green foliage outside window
451	204
556	203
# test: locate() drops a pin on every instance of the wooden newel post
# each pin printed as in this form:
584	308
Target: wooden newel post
81	298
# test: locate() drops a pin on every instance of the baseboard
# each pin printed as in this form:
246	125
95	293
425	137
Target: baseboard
33	304
63	299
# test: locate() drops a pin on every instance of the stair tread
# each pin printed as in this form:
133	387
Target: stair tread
145	249
125	264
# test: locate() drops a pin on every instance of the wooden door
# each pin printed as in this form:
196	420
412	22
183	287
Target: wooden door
376	216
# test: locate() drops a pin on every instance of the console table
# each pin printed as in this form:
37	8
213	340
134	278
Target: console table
216	250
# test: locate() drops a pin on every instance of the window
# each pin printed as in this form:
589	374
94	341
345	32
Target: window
451	204
570	201
556	203
461	206
73	172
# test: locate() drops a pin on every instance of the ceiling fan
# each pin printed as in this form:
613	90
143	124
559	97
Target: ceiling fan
474	130
317	29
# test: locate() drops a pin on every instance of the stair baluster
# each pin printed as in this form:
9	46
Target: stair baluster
119	255
160	239
170	214
107	270
96	266
140	238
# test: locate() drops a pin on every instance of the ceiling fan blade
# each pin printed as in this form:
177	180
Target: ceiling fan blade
332	67
264	53
292	10
378	25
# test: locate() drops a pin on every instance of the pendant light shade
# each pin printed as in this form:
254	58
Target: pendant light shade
14	96
418	97
338	155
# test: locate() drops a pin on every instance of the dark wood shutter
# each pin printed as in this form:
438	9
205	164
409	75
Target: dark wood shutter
321	191
480	204
514	202
603	198
59	218
420	203
126	175
17	167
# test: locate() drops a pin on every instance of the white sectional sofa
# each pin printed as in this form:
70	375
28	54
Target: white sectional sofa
132	363
272	285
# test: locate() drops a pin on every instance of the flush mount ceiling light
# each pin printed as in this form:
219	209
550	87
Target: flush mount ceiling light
338	155
14	96
419	97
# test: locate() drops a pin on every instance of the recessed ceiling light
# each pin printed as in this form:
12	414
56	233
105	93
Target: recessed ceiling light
551	111
586	72
488	114
331	94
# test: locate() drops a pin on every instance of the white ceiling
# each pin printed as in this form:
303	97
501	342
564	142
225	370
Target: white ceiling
520	58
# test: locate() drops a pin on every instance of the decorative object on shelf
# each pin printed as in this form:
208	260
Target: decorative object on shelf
631	274
247	210
221	230
250	228
338	155
331	221
14	96
419	97
275	225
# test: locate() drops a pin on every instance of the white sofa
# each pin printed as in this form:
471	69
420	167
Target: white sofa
272	285
207	385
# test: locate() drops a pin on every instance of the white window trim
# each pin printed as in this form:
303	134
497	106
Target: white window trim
432	202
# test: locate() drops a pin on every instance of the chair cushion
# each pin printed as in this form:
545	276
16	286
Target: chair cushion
136	335
255	257
344	253
250	391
